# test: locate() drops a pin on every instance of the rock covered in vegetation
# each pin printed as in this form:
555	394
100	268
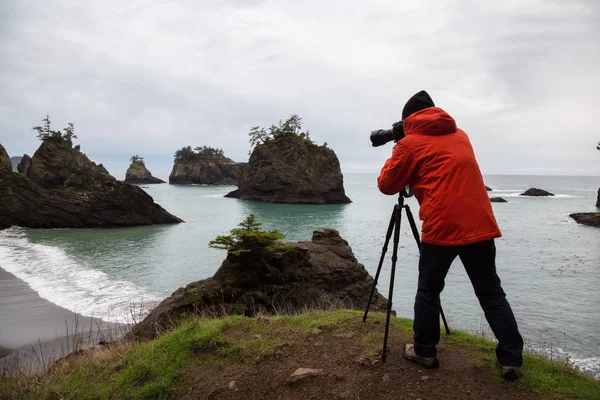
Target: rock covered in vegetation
137	173
64	189
5	164
536	192
321	273
291	169
498	200
24	164
589	219
206	172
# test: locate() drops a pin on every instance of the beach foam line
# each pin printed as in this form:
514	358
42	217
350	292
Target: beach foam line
66	282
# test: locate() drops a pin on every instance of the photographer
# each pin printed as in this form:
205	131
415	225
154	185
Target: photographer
437	161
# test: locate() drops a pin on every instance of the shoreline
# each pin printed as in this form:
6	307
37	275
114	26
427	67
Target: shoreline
35	332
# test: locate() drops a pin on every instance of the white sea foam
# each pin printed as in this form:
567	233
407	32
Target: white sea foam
57	277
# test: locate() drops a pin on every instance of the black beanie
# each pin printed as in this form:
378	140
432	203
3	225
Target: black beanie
418	102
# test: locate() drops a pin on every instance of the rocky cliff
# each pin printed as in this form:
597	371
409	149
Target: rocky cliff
137	173
64	189
206	172
291	169
321	273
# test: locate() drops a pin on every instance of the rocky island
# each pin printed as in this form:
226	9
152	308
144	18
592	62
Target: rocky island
137	173
262	275
589	218
204	166
287	167
62	188
535	192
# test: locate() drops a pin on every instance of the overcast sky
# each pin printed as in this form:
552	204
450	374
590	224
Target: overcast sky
520	77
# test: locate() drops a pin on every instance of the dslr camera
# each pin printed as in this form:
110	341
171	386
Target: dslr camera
380	137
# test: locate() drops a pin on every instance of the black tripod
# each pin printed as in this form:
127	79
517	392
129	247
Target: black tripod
395	228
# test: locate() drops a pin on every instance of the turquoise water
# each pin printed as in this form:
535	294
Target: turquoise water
549	265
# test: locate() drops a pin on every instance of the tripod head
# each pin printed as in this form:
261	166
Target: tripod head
406	193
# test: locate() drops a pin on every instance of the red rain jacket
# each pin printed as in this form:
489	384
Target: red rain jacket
437	161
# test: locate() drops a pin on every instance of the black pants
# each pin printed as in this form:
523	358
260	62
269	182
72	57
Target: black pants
479	260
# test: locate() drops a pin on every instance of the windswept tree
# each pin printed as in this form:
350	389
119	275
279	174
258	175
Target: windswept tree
44	132
199	153
137	159
292	127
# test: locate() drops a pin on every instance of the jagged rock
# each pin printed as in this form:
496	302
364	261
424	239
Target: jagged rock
24	164
137	173
5	164
489	189
206	172
319	273
498	200
536	192
15	162
290	169
590	218
64	189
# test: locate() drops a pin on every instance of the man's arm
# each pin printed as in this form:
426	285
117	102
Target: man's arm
398	170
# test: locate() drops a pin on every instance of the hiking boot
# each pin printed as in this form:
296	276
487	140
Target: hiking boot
509	373
427	362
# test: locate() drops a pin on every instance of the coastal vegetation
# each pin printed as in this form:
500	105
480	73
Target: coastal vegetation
291	128
186	153
254	358
44	132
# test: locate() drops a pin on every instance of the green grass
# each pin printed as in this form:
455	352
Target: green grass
154	369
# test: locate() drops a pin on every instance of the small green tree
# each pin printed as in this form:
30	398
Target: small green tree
249	237
292	127
44	132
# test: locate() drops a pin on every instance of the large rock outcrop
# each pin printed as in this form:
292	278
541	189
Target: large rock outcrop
137	173
291	169
321	273
24	164
536	193
589	218
64	189
206	172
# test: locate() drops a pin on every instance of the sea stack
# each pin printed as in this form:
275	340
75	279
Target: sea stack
598	199
498	200
589	219
24	164
287	167
137	173
205	166
64	189
536	193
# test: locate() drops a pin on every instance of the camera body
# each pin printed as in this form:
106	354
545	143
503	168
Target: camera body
380	137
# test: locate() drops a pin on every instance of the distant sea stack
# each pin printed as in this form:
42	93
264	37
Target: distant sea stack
23	166
287	167
64	189
205	166
536	193
598	199
498	200
15	162
137	173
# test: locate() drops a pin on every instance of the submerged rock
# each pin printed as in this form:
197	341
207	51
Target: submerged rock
137	173
64	189
536	192
290	169
24	164
498	200
206	172
589	218
321	273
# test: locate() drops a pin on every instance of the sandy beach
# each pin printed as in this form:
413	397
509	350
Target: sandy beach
32	327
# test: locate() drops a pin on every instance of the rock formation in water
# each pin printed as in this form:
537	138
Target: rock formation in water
321	273
589	218
536	193
15	162
292	169
598	199
137	173
489	189
498	200
64	189
206	172
24	164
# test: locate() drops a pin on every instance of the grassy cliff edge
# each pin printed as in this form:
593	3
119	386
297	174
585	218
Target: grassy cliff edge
240	357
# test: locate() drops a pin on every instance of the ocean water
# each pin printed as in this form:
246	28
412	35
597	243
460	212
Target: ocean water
549	265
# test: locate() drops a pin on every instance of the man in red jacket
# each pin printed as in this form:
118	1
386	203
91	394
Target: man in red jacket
436	159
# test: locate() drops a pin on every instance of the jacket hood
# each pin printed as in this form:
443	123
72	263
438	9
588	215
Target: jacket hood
430	121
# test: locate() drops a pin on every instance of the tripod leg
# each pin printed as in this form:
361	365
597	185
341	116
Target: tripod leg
392	277
415	231
383	251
